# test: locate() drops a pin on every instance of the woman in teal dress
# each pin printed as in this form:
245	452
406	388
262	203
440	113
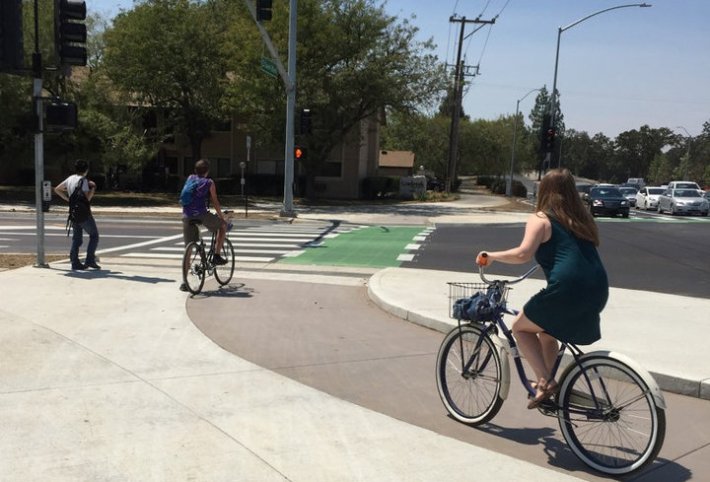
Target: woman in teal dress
563	238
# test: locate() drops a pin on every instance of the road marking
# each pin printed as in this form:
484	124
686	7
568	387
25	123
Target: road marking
405	257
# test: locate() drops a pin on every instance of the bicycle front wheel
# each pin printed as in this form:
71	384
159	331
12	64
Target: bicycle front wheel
609	418
223	273
468	375
193	267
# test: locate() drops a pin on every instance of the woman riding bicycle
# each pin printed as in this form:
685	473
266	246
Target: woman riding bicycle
201	187
562	236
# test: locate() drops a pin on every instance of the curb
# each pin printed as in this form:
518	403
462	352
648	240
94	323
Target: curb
669	383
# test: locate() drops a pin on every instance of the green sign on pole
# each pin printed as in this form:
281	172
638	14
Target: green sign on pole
269	67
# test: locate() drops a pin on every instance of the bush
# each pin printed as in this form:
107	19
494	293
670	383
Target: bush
379	186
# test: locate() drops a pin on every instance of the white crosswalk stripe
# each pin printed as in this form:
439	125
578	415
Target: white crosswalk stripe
260	243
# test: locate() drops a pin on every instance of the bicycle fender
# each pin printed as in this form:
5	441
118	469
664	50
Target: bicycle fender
502	347
635	366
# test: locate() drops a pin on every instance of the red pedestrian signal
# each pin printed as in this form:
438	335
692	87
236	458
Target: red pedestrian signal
298	153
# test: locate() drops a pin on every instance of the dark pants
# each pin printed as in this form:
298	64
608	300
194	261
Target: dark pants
77	239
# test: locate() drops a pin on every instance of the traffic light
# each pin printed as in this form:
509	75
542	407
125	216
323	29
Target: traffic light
305	121
61	115
70	31
263	10
11	49
299	153
549	140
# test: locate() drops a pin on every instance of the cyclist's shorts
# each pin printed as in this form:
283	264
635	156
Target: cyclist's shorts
191	232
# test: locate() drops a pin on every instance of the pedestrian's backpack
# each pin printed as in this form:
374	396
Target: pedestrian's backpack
79	209
188	190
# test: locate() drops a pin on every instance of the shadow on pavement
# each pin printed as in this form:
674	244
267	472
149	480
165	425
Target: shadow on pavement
106	274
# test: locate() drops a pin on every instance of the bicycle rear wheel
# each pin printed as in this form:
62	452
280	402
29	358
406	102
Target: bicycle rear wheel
471	394
609	418
223	273
193	267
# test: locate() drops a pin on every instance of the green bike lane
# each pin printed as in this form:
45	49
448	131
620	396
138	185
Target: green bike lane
369	246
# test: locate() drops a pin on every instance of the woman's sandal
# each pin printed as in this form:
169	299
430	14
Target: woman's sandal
545	391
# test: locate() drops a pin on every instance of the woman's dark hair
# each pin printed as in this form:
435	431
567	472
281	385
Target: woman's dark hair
557	196
81	166
202	167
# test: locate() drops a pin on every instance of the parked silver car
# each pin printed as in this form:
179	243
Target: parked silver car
647	197
630	194
678	201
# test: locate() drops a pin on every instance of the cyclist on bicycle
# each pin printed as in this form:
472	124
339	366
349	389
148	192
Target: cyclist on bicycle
202	190
562	236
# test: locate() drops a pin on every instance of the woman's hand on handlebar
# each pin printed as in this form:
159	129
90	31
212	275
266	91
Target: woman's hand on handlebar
482	259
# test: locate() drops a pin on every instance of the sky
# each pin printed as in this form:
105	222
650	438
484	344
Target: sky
617	71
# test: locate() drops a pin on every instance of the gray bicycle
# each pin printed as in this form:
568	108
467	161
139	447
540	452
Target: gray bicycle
610	410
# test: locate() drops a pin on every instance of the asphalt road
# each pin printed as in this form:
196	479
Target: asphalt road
662	257
665	257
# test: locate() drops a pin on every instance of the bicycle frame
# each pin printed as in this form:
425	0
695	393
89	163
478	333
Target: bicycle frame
491	328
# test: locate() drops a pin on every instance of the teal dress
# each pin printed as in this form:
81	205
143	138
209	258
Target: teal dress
577	288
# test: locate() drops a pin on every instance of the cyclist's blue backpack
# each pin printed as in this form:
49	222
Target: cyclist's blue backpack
479	307
188	190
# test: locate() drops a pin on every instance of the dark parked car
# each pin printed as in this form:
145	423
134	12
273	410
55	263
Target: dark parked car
607	201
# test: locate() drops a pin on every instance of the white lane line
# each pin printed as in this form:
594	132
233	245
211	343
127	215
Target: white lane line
236	250
290	240
140	245
405	257
179	257
272	235
411	247
127	236
293	254
419	238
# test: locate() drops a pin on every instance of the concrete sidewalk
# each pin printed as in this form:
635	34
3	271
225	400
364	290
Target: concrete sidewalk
104	377
661	332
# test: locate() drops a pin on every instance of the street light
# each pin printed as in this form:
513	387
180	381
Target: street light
557	56
509	184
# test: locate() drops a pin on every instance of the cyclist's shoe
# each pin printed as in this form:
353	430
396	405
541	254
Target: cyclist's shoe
218	260
183	287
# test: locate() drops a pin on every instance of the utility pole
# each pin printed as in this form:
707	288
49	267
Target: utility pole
458	90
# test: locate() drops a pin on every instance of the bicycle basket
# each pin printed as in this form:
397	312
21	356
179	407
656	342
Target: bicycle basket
475	301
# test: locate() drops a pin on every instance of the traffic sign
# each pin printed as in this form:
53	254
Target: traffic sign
269	67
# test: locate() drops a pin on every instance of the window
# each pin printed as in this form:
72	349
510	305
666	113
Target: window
330	169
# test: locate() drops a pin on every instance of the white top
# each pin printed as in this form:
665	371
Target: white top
72	181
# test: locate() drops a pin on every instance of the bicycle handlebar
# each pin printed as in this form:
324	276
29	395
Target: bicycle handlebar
482	261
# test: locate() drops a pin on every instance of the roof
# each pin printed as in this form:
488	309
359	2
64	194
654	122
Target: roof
396	159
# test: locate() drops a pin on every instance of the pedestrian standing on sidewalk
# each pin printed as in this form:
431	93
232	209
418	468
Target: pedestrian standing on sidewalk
87	188
197	191
563	238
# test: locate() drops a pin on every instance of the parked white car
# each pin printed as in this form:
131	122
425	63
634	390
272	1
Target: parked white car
678	201
647	197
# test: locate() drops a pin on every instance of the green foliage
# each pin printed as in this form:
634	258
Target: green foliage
168	54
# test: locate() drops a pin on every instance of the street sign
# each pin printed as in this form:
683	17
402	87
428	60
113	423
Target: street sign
269	67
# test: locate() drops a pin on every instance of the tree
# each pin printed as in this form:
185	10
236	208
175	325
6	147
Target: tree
168	54
426	136
354	63
635	150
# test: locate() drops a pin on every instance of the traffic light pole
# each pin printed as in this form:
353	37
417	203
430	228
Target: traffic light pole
287	210
289	81
39	141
